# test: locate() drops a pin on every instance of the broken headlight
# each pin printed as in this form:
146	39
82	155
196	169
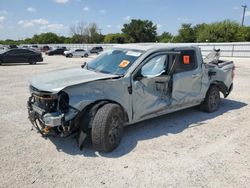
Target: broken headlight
63	102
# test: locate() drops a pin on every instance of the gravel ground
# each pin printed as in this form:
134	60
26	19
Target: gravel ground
188	148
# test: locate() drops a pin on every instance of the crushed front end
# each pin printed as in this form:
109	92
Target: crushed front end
51	114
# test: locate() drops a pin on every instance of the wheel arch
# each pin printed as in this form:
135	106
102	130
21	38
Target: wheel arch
84	118
99	103
221	86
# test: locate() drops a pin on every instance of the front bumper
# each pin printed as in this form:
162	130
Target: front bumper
56	124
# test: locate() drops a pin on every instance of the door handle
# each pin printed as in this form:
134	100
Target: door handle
160	82
195	75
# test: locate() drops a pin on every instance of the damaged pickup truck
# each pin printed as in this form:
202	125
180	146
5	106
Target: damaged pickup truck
125	85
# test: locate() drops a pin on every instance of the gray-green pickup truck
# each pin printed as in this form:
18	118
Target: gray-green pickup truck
125	85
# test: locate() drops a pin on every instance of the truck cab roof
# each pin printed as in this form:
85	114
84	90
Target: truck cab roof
151	46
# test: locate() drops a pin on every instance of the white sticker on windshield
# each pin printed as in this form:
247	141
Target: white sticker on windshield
132	53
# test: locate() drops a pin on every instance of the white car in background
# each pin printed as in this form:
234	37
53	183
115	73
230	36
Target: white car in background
77	53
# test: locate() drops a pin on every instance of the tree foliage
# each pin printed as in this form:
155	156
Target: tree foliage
118	38
140	31
144	31
85	33
165	37
225	31
185	34
47	38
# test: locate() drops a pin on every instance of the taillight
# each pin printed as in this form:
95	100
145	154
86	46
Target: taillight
233	72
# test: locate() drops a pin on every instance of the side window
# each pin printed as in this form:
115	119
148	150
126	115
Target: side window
24	52
186	61
12	52
155	67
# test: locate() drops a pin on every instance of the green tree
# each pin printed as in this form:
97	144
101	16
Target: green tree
165	37
94	36
225	31
140	31
83	33
119	38
45	38
245	33
185	34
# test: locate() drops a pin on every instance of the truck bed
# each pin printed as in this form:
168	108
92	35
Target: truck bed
222	71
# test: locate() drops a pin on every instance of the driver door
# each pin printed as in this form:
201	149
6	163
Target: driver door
150	94
11	57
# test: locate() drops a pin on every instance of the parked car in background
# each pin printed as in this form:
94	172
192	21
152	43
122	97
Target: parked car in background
45	48
20	55
76	53
34	46
96	50
12	46
57	51
2	48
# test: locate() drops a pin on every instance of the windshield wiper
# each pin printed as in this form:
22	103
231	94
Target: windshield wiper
84	65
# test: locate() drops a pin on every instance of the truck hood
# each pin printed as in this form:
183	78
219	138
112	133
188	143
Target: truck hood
55	81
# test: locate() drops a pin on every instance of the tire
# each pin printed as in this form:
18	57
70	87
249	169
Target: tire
212	100
107	127
70	55
86	55
32	61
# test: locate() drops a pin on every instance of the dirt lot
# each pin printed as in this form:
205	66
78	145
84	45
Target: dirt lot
184	149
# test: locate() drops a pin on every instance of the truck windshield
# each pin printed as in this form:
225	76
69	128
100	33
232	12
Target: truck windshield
115	61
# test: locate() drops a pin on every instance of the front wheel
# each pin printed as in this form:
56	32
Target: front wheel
107	127
32	61
212	100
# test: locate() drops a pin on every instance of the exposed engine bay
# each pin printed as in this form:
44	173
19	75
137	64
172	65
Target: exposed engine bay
47	113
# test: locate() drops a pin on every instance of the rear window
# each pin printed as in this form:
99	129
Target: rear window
186	61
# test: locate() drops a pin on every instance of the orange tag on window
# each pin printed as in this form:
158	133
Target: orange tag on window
124	64
186	59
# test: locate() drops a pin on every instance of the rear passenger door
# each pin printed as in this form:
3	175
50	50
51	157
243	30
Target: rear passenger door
187	79
23	55
79	52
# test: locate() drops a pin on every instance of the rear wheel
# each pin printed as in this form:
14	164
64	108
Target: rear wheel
86	55
32	61
107	127
212	100
70	55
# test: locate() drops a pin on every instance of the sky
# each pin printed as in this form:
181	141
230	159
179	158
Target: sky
20	19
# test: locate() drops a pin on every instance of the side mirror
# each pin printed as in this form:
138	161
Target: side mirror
83	65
